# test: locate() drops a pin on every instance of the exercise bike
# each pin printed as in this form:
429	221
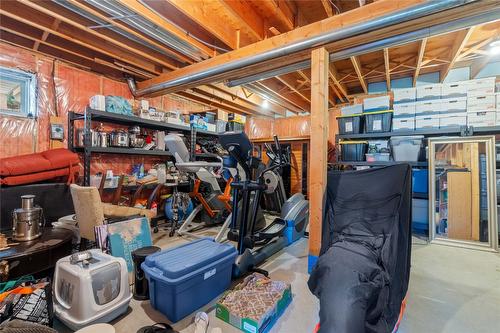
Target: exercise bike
213	205
255	244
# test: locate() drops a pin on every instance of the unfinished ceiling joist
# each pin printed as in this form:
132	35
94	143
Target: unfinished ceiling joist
276	51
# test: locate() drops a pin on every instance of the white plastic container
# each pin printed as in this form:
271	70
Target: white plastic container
351	110
404	95
404	109
378	157
403	124
431	91
98	102
406	148
480	87
429	121
428	106
454	89
481	103
96	293
481	119
453	119
456	104
374	104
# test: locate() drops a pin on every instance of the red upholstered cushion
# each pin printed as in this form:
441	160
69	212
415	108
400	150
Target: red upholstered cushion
34	177
60	158
24	164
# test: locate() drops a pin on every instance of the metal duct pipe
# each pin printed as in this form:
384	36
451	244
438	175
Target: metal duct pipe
404	15
397	40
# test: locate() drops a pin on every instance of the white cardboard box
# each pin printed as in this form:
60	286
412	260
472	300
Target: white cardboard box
481	119
404	109
455	104
498	101
351	110
403	123
431	91
497	118
381	103
479	87
404	95
428	106
454	89
481	103
453	119
428	121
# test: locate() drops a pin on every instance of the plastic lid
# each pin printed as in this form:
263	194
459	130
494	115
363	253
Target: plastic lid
378	112
179	261
351	115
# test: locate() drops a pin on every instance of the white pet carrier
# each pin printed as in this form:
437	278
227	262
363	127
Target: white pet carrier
90	287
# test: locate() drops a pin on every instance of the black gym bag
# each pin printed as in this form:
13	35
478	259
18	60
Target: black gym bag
361	277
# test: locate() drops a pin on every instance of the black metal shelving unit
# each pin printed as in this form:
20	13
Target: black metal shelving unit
91	115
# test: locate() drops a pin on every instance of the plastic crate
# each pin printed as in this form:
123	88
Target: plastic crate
378	157
378	122
420	180
420	215
185	278
350	124
406	148
353	151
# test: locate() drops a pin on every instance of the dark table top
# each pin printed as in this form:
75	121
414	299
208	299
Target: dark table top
51	238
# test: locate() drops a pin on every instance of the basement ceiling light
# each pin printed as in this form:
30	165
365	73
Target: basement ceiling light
495	47
265	104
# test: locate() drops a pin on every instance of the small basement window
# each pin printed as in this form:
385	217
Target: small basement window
17	93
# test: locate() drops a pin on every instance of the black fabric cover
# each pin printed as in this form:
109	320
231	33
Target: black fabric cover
362	274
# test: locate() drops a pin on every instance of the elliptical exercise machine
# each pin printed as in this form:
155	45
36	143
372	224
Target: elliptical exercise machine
255	246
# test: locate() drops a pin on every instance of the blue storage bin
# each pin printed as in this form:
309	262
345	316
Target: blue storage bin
420	181
420	215
185	278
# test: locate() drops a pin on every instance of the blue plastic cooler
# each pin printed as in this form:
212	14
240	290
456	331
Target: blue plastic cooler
185	278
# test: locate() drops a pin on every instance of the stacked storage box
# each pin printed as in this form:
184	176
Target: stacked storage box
481	102
453	105
428	106
498	109
378	114
404	109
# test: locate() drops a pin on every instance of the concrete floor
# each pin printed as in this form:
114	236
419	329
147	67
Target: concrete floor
452	290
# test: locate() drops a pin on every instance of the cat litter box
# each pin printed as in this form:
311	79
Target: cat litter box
90	287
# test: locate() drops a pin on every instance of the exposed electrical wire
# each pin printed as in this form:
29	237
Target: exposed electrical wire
206	43
335	6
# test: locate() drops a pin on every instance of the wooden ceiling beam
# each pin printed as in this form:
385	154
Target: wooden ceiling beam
461	40
271	86
196	11
282	12
144	11
293	89
387	64
87	8
36	22
333	74
243	12
193	96
36	6
327	6
357	68
420	58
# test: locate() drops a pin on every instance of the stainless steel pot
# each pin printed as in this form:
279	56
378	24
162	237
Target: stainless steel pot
27	221
118	138
80	138
134	130
103	139
137	141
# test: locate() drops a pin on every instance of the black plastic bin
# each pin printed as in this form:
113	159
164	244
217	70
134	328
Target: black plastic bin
141	287
378	122
353	151
351	124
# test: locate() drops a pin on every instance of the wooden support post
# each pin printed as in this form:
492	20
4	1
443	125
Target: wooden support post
318	148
